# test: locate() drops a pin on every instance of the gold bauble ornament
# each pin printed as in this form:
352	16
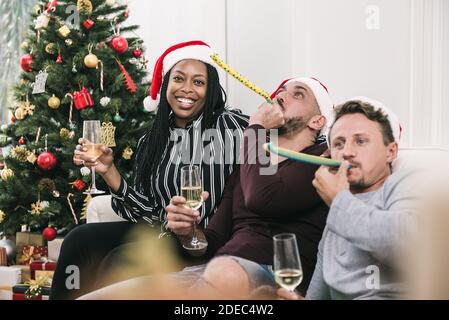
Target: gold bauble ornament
54	102
50	48
91	61
20	113
2	216
6	174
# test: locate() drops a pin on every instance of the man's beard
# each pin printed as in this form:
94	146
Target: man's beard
292	126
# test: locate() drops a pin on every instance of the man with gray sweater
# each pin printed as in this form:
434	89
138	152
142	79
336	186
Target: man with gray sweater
371	208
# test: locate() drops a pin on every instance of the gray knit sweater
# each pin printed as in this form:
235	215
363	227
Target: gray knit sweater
358	250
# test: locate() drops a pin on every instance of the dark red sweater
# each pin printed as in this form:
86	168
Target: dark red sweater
256	207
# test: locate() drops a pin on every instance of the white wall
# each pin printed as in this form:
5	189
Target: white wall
392	50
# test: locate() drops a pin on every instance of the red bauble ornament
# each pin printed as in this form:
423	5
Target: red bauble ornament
126	14
13	119
137	53
49	233
88	23
22	141
119	44
59	59
79	184
26	61
46	160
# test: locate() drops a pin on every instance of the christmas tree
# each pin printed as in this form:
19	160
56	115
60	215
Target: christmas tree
77	66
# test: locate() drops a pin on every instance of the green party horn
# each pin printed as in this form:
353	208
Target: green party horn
301	157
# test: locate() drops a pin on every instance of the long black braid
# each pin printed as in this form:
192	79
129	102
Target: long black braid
153	145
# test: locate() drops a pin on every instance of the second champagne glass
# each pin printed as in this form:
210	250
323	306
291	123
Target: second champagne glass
287	263
191	190
92	133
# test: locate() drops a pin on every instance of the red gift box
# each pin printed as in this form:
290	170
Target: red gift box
42	266
21	296
88	23
19	293
32	253
83	99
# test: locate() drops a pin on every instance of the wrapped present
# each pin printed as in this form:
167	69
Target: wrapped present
83	99
10	276
28	238
54	247
22	292
25	273
42	269
32	253
3	257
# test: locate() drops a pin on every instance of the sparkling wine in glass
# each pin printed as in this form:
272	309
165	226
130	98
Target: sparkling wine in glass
92	134
287	263
191	190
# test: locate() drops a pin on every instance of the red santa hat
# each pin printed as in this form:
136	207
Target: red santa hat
392	118
196	49
321	94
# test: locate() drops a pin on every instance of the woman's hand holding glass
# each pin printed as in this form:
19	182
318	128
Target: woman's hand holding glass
102	161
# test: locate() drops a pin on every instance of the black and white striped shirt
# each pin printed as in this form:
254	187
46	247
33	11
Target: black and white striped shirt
215	150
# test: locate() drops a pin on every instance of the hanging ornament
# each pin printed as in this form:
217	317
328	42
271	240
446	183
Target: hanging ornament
59	58
28	107
118	118
88	23
64	31
85	171
82	98
2	216
74	68
45	204
31	158
24	45
68	42
22	140
137	53
133	61
85	7
127	153
6	174
26	62
119	44
19	114
20	153
54	102
39	83
51	7
64	134
36	208
13	119
49	233
79	184
110	2
50	48
143	63
41	22
108	134
126	14
129	82
100	18
91	60
105	101
46	160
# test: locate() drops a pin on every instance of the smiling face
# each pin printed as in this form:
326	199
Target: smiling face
360	141
299	106
186	91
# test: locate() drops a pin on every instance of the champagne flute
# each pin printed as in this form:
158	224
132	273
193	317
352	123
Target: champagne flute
92	134
191	190
287	263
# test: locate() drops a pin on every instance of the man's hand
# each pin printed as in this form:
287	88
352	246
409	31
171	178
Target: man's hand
269	116
329	184
180	219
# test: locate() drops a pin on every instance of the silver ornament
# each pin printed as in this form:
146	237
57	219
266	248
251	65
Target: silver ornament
85	171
